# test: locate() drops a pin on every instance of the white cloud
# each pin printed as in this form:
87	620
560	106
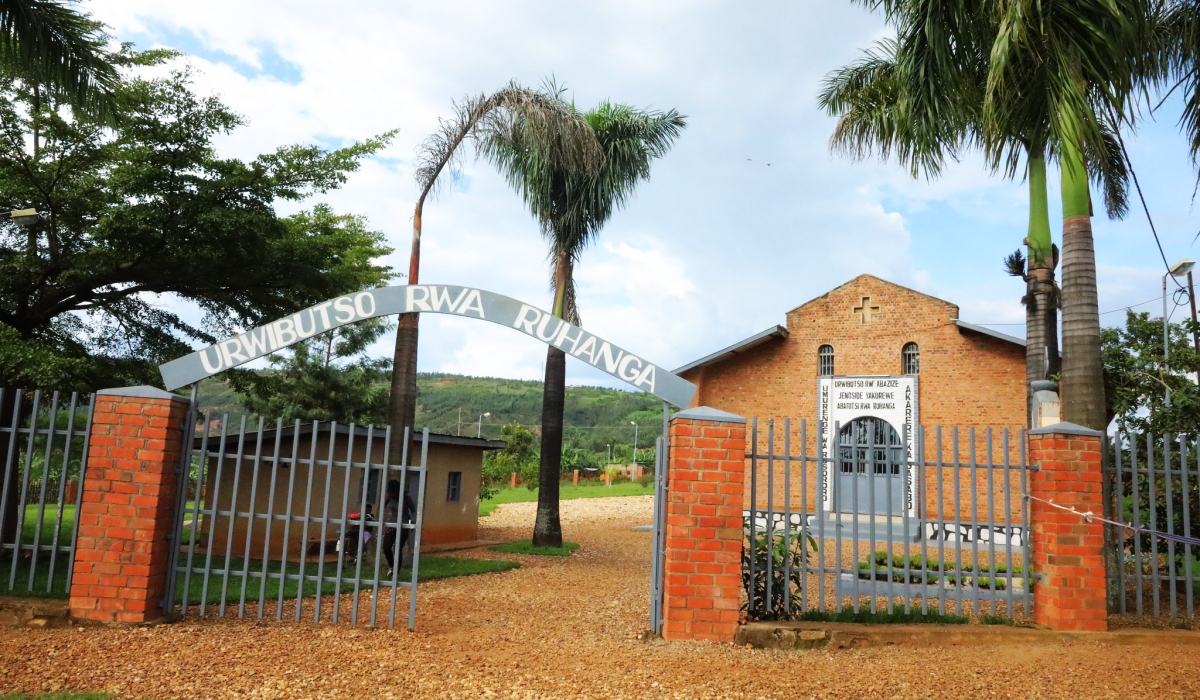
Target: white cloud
716	246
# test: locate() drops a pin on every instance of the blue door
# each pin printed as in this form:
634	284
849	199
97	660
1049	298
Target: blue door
870	475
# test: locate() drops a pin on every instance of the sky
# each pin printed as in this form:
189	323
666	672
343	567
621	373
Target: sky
749	214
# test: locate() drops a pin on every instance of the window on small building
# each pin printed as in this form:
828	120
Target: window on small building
910	359
454	487
825	361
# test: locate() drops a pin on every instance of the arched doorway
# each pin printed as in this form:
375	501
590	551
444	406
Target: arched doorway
870	459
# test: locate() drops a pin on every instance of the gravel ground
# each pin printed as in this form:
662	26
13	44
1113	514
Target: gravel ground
559	627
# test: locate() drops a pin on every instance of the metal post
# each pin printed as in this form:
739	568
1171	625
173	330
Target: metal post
1192	300
1166	336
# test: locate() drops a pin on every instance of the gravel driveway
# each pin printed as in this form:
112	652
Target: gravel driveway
555	628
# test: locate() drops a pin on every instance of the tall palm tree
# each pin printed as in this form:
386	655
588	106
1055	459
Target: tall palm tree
60	48
550	125
963	77
1077	64
571	206
884	106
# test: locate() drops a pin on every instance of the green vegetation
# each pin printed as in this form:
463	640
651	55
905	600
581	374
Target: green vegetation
327	377
432	568
29	526
1135	373
594	417
896	617
113	230
526	547
930	571
566	492
996	620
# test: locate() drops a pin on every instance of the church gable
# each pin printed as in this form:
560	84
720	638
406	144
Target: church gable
867	329
868	301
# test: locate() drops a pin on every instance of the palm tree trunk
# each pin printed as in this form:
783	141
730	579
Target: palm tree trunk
1041	303
402	401
547	529
1082	385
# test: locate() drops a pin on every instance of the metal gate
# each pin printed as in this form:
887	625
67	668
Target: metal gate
43	451
958	544
305	520
1152	487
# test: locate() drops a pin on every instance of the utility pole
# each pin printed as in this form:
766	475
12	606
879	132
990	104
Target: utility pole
1192	299
459	432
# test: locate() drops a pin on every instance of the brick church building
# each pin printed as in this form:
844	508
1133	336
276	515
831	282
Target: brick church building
960	374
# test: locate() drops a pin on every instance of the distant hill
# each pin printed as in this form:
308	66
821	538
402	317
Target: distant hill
594	417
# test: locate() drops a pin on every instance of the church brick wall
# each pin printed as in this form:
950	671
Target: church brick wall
967	379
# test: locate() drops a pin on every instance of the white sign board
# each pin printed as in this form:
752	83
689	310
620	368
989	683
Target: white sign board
437	299
842	399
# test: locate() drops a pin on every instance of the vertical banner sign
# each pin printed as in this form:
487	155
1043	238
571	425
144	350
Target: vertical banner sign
436	299
840	400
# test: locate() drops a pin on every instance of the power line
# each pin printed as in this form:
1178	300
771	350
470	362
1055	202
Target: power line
1102	313
1137	185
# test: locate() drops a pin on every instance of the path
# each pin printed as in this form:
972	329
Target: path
556	628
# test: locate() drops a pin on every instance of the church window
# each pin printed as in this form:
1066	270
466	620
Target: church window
910	359
869	445
825	361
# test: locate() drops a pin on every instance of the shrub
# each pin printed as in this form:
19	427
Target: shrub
783	552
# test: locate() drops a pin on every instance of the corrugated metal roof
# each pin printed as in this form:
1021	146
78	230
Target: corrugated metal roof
753	341
988	331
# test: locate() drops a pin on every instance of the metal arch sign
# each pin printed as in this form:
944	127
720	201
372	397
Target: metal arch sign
438	299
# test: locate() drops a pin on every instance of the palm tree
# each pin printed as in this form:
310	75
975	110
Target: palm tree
961	77
550	125
885	104
1075	65
571	206
60	48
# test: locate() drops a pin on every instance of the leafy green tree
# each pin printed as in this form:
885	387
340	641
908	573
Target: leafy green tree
547	123
1137	375
572	205
326	378
576	455
519	455
147	209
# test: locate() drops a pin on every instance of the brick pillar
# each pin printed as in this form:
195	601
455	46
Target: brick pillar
1067	551
128	501
703	577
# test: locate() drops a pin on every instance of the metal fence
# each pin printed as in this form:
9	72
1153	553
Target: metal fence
287	520
1152	484
43	445
658	533
865	519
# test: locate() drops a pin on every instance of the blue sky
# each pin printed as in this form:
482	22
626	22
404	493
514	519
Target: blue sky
748	216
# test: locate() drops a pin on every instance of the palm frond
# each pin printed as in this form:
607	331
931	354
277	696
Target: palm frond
572	203
546	122
61	48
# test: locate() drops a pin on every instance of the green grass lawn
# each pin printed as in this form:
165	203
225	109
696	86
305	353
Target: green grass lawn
29	525
567	492
431	568
526	547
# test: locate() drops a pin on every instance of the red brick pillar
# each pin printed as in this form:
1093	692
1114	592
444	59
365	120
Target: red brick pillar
128	501
1067	550
703	576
